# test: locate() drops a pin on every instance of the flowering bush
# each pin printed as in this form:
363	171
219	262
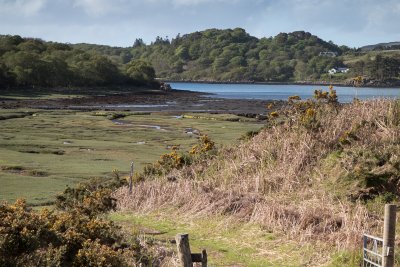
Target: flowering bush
93	253
327	96
205	144
309	113
46	238
92	197
175	160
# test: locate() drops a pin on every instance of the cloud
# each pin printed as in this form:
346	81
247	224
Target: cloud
189	3
197	2
350	22
101	7
384	17
23	7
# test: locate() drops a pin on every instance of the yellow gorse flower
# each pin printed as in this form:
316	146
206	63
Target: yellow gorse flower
274	114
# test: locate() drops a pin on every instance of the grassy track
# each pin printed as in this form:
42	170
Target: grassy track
231	243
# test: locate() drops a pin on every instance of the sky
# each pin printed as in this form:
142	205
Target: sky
354	23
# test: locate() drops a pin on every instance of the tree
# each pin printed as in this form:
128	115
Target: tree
32	46
237	61
141	71
9	43
195	50
6	78
27	68
138	42
57	70
182	52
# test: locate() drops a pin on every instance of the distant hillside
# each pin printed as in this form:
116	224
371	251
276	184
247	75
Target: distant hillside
231	55
235	55
29	62
209	55
381	46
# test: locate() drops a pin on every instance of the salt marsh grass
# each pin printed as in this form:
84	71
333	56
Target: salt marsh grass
71	146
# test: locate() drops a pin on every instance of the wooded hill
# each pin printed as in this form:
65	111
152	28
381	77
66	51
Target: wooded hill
234	55
210	55
34	62
231	55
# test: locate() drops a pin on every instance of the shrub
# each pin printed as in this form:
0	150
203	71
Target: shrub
175	160
204	146
92	197
310	113
93	253
45	238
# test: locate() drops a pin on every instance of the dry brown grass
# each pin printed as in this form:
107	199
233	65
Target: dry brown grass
276	179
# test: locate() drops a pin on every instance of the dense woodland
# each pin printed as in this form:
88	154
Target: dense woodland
235	55
211	55
33	62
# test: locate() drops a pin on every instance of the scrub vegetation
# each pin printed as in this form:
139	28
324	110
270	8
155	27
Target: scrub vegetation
301	191
317	176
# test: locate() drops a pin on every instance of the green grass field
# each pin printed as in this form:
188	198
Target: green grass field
42	151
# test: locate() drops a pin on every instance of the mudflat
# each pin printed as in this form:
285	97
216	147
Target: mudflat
144	100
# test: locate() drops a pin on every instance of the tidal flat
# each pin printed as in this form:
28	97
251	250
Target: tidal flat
44	150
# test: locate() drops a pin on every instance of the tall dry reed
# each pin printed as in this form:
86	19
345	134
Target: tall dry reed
277	179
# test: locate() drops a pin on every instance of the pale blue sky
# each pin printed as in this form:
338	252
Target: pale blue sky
119	22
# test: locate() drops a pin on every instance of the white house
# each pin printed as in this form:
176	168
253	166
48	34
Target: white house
343	70
338	70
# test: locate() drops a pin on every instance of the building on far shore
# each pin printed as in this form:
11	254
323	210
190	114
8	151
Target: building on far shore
328	54
338	70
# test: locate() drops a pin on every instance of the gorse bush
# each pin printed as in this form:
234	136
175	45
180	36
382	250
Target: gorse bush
204	146
171	160
75	235
92	197
46	238
96	254
310	113
175	160
330	97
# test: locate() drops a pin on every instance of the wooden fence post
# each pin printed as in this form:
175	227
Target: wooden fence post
184	254
131	179
389	233
203	258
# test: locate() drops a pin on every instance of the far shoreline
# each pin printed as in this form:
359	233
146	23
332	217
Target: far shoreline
301	83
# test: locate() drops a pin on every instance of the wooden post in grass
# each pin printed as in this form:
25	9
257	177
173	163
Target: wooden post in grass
184	254
204	258
389	234
131	179
186	258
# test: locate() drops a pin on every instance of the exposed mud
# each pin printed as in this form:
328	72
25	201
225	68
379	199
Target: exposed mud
174	101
